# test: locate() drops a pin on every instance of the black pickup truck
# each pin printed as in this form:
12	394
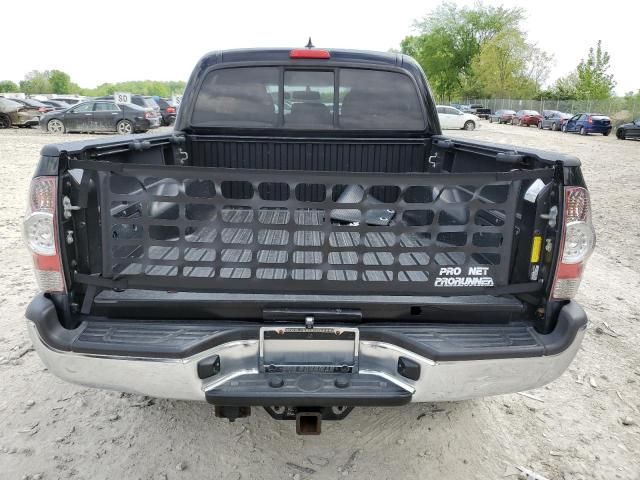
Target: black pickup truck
306	241
480	111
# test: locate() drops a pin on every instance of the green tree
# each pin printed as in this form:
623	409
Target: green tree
36	82
594	82
438	64
48	81
60	82
142	87
7	86
508	66
565	87
631	103
500	63
538	65
449	39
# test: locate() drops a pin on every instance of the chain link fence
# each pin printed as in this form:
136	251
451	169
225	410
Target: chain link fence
619	109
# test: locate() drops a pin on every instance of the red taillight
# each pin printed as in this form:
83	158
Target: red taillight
308	53
171	110
41	233
148	114
578	242
589	119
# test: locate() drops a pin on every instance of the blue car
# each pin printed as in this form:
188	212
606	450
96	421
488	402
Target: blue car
585	123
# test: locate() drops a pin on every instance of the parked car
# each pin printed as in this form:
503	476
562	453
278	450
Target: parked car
143	101
417	268
452	118
526	118
56	104
553	119
480	111
586	123
31	103
167	111
101	116
17	114
502	116
150	102
68	100
629	130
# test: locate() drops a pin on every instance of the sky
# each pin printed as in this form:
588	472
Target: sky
97	42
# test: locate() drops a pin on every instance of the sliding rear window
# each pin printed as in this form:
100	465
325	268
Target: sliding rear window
346	98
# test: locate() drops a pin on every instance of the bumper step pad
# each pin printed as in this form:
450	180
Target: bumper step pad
307	389
181	339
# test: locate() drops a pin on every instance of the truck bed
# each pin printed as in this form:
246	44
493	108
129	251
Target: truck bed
372	258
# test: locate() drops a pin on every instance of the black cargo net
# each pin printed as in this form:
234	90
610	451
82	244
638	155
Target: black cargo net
188	228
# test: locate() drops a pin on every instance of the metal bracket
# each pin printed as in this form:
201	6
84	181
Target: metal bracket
551	216
67	207
184	156
308	321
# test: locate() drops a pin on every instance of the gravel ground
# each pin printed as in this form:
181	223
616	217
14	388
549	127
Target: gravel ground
575	430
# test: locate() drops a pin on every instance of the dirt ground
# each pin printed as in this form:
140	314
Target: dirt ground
50	429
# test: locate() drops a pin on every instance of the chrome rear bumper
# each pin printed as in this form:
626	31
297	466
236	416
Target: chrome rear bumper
178	378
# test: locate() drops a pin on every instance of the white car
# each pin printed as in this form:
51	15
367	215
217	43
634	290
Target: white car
452	118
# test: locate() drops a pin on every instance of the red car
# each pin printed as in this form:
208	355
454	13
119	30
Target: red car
526	118
502	116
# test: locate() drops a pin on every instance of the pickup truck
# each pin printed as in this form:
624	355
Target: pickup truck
481	111
305	240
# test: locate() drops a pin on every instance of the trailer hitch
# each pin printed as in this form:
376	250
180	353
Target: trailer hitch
308	419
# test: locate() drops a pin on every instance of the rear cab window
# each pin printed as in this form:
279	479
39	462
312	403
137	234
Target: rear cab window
292	98
311	97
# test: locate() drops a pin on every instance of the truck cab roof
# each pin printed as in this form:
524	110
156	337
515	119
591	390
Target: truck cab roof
283	55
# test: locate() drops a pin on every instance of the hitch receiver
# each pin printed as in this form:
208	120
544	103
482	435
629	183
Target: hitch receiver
308	423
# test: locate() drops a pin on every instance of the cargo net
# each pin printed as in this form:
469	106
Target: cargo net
186	228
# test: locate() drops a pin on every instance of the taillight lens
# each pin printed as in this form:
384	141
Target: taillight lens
578	242
148	114
40	233
171	110
589	119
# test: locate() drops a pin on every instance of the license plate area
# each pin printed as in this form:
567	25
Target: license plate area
309	350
